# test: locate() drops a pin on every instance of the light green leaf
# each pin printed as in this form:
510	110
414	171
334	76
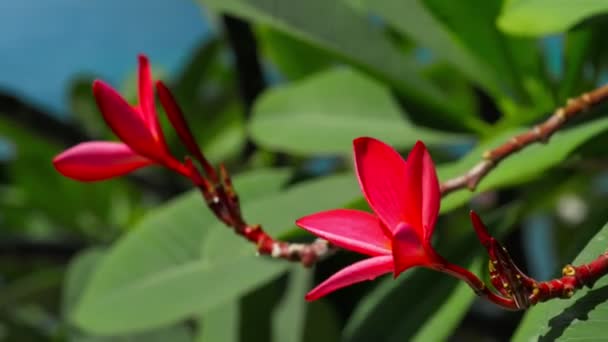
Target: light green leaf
177	333
325	112
77	277
154	275
345	33
540	17
582	317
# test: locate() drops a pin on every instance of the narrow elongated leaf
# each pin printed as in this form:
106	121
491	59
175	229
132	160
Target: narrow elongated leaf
289	318
383	316
482	38
539	17
335	27
220	323
325	112
415	20
582	317
154	275
441	325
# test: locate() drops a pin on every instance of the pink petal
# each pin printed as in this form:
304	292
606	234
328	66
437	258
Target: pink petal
146	98
367	269
381	172
126	122
98	160
408	249
350	229
423	197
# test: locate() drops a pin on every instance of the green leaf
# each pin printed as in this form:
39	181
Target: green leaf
155	276
322	323
540	17
220	323
177	333
346	34
413	19
293	58
81	206
441	325
582	317
325	112
387	313
482	38
522	166
288	320
77	277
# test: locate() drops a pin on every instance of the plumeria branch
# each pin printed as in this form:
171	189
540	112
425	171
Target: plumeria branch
539	133
405	196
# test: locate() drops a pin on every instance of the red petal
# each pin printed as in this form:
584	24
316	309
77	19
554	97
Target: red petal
146	98
350	229
423	196
408	249
126	122
98	160
178	121
381	172
481	230
367	269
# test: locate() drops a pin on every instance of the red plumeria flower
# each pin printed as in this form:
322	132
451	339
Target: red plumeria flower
137	126
405	198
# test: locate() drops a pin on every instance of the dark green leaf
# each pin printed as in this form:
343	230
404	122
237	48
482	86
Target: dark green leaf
347	35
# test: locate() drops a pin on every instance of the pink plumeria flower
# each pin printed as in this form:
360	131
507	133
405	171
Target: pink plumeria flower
136	126
405	199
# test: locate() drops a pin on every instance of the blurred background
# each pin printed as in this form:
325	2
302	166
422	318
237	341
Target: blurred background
277	89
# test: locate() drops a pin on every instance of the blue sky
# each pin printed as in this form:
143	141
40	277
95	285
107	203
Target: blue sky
43	44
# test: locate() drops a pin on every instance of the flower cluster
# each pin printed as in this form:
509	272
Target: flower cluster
404	195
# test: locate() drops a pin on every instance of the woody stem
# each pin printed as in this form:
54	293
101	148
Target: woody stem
574	278
539	133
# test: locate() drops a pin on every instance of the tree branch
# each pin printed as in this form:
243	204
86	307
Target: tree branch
539	133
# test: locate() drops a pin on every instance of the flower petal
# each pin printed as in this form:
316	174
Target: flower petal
126	122
367	269
98	160
408	249
145	89
381	172
178	121
355	230
422	197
